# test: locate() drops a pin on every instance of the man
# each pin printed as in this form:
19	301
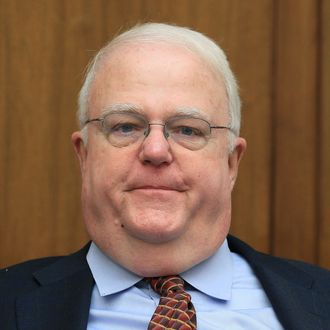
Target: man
159	150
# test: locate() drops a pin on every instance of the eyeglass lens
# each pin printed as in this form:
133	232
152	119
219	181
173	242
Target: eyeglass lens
125	129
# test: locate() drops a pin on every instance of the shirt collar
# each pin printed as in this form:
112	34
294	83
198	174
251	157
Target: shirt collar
212	276
109	276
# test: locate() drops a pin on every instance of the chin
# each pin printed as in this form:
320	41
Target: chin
158	235
155	228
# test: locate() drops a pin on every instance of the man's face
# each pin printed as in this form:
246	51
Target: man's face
156	207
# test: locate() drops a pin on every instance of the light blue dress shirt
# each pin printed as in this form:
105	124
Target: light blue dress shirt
224	290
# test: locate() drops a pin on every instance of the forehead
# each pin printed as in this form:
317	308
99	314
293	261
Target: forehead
154	75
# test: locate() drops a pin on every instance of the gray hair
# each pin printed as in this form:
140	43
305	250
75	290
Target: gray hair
196	42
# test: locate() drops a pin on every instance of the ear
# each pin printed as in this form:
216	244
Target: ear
80	149
234	159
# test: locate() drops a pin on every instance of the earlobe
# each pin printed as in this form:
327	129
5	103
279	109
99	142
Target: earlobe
235	158
80	149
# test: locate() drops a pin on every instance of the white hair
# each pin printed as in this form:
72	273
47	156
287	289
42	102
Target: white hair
196	42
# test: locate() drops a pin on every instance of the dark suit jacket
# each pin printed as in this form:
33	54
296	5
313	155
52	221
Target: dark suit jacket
55	293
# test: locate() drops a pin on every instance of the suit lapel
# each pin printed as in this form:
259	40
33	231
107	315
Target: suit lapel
62	300
297	305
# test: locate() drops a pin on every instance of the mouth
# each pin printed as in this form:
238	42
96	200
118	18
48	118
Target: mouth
156	188
144	183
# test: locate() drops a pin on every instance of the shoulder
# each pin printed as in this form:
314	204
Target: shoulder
299	292
28	266
20	278
320	275
16	281
44	285
28	275
292	270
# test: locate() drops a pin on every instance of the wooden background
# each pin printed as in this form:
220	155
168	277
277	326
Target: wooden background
280	52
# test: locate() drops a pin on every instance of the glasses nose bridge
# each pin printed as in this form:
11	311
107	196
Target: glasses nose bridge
165	133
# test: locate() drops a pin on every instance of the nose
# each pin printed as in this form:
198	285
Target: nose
155	148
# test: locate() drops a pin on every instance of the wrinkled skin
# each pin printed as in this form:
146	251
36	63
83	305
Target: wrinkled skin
155	207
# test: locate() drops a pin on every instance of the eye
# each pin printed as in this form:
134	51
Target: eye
123	125
123	128
188	131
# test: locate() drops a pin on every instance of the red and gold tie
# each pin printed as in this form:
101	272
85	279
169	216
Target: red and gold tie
175	309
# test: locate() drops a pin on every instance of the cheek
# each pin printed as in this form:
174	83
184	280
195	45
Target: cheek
210	171
102	185
215	183
107	171
97	176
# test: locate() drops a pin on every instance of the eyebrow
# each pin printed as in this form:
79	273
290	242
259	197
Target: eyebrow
192	112
121	107
133	108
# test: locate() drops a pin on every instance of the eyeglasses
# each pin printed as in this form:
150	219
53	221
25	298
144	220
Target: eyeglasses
124	129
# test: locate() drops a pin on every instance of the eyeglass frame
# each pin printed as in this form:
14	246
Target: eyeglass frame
166	134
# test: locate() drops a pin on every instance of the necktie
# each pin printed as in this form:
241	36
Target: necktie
175	309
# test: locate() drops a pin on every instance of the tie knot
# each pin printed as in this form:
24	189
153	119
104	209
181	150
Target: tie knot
167	284
175	309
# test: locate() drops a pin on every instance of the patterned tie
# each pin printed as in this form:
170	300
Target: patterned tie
175	309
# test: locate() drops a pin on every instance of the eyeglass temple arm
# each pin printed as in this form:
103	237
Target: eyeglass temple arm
91	120
223	127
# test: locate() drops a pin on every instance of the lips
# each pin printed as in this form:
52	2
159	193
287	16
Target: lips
148	187
161	186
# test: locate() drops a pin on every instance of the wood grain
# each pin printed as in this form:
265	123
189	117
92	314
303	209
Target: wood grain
324	138
295	125
250	52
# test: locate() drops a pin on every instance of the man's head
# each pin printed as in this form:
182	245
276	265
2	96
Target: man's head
157	199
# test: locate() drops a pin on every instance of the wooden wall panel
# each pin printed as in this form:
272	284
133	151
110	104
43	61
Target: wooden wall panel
250	51
281	199
295	118
36	101
324	141
76	28
29	129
